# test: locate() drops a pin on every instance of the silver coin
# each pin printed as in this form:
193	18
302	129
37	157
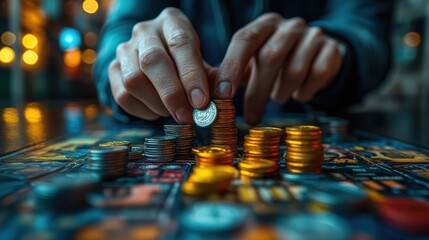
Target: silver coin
205	117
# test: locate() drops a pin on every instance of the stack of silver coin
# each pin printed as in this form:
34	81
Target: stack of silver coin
136	153
63	192
109	162
184	140
160	149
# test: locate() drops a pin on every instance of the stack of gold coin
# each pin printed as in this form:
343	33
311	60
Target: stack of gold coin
263	143
208	156
257	168
184	139
116	143
304	149
203	181
224	128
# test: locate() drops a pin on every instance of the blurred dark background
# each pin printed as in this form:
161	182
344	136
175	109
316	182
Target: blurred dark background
48	47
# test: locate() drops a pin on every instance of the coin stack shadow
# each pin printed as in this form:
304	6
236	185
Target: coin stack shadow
108	162
160	149
63	192
184	140
263	143
224	128
304	153
209	156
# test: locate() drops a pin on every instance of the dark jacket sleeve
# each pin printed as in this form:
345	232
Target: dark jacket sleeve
363	26
123	15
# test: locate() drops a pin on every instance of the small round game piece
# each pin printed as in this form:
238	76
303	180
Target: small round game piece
407	214
205	117
213	218
109	162
63	192
160	149
322	226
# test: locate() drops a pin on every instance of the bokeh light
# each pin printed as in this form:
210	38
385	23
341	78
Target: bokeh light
90	39
29	41
90	6
33	114
72	58
412	39
88	56
8	38
69	38
10	115
30	57
7	55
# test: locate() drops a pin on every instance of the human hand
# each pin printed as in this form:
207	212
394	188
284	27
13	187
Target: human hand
280	58
160	71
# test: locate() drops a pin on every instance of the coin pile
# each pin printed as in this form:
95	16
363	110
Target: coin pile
63	192
304	149
116	143
109	162
263	143
184	139
203	181
224	128
258	168
160	149
209	156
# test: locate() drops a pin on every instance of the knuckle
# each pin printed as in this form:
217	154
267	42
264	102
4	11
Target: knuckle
170	11
298	22
139	28
121	48
179	39
129	80
122	98
320	71
271	55
317	31
191	75
245	35
151	57
271	17
171	96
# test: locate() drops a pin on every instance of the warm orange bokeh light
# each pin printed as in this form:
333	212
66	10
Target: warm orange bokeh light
29	41
8	38
89	56
30	57
412	39
90	6
7	55
72	58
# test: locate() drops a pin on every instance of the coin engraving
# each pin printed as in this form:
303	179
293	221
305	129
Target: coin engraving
205	117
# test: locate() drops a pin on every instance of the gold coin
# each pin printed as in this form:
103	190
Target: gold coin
266	131
208	151
304	130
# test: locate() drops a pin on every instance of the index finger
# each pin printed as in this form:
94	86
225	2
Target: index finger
183	45
244	44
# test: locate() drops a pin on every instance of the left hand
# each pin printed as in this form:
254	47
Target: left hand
286	59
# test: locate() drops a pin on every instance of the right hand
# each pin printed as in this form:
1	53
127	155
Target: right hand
160	71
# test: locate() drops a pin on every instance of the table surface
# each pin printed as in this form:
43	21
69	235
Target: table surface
34	123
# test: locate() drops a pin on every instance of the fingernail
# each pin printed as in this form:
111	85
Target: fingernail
224	89
183	115
198	98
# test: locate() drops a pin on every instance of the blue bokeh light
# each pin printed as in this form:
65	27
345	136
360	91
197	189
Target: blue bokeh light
70	38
